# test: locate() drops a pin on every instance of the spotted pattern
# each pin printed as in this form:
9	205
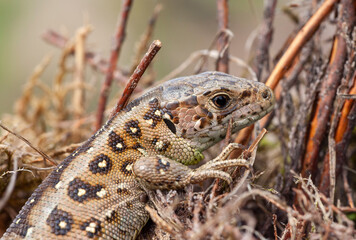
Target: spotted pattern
162	165
160	145
113	216
133	129
137	146
80	191
123	191
154	114
55	176
116	143
60	221
129	205
126	167
101	164
92	227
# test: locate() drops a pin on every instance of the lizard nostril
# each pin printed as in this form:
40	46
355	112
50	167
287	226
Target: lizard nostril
266	94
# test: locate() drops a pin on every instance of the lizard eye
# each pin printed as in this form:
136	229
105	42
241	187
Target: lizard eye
221	101
266	94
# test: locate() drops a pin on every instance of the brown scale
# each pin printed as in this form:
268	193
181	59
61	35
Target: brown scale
110	159
95	193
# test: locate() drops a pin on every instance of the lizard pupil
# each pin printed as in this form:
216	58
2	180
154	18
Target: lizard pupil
266	94
221	101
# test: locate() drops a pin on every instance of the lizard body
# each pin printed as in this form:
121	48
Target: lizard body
98	191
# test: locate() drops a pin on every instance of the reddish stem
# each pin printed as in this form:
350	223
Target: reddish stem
136	76
222	63
119	38
319	124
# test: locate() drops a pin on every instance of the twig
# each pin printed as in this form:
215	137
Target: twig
347	188
29	166
231	207
22	104
224	33
78	94
243	137
302	37
264	39
93	59
292	16
45	156
159	221
338	141
193	57
344	118
222	63
21	170
136	76
285	61
253	146
119	38
247	154
327	95
274	218
10	187
59	93
145	38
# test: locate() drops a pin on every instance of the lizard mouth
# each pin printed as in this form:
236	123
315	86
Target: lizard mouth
248	120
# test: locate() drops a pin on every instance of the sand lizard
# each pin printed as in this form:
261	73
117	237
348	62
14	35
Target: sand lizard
98	191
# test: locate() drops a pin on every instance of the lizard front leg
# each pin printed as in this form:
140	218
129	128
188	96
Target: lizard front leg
159	172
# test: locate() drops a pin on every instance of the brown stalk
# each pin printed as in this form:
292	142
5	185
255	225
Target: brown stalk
247	153
274	218
58	87
261	59
136	76
44	155
22	105
264	39
342	138
286	60
344	119
95	61
145	38
318	128
222	63
348	190
78	94
115	52
10	186
298	42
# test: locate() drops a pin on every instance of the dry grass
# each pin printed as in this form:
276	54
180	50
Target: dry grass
283	197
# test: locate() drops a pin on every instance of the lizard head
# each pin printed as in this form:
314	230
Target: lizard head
200	107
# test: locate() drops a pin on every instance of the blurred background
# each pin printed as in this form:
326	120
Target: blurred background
183	27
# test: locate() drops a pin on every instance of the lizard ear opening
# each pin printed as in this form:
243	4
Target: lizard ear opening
170	125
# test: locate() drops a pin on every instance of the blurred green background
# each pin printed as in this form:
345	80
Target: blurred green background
183	26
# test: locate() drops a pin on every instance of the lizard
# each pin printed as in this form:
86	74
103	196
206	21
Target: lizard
99	191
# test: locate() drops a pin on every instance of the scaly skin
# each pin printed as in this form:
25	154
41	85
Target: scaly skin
98	191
